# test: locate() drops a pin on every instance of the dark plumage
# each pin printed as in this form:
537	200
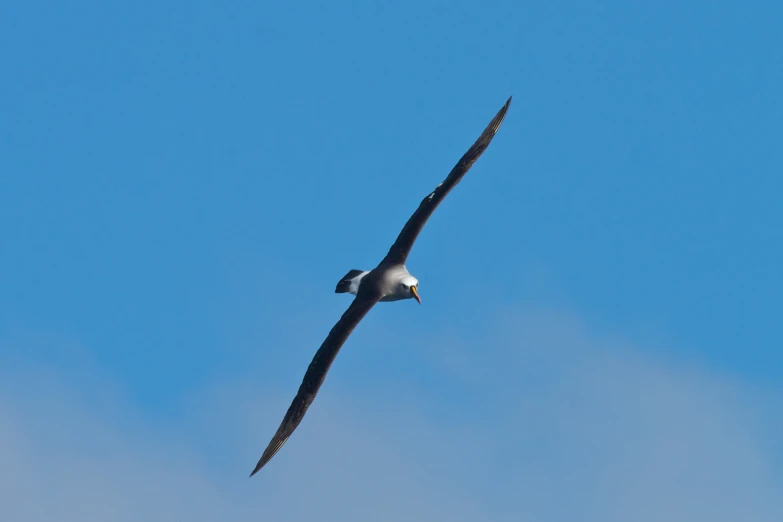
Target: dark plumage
389	281
344	286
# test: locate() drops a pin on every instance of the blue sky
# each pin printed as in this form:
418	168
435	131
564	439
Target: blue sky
182	184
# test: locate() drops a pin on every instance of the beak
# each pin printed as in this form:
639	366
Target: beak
415	293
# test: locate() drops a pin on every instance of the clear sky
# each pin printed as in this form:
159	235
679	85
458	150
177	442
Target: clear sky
183	183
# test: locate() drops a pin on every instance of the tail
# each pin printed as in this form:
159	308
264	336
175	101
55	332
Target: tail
344	285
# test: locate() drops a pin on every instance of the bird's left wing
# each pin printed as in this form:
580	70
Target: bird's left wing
316	373
399	251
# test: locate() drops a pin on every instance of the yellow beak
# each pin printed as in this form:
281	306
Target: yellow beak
415	293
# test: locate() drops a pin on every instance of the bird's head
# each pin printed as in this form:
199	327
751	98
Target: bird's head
409	288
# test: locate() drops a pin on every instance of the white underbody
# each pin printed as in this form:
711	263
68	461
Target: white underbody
397	295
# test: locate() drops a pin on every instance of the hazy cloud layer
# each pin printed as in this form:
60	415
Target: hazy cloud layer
553	422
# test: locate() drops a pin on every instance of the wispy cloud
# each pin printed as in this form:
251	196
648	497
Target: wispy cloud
552	422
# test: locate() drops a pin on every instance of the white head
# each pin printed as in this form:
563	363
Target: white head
409	288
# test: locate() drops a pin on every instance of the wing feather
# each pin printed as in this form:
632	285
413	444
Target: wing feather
399	251
316	373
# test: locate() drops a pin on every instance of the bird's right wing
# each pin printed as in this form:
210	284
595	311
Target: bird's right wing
399	251
316	373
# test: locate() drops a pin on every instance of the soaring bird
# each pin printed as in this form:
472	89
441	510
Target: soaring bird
389	281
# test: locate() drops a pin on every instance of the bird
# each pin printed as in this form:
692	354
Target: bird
389	281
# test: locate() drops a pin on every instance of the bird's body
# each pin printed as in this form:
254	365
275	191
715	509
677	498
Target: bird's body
389	281
394	282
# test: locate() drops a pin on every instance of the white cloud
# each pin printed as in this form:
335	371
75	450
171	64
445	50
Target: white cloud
544	421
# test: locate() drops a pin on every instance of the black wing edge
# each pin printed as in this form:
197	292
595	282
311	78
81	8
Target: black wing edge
315	375
398	253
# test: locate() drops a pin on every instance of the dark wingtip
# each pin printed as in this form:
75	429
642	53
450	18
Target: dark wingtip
502	112
483	141
274	446
493	126
261	463
258	467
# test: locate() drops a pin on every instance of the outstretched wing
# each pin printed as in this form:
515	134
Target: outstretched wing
399	251
316	373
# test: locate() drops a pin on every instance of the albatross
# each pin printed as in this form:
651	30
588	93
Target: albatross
389	281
